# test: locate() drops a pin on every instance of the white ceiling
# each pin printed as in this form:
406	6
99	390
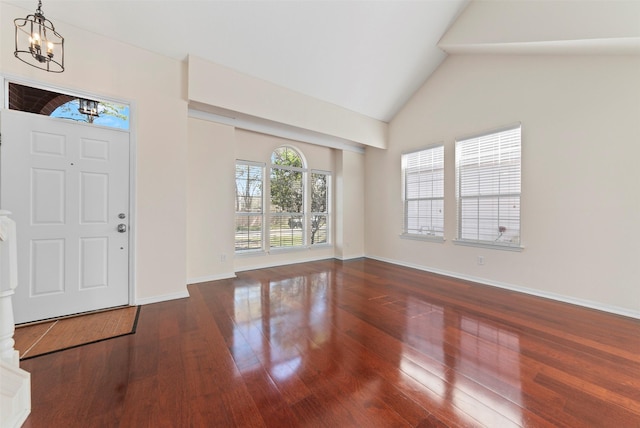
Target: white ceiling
365	56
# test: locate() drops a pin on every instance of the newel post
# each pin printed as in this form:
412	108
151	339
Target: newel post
15	383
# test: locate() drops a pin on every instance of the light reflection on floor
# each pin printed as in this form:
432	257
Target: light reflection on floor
281	319
448	355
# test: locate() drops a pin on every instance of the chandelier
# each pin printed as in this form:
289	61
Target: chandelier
37	42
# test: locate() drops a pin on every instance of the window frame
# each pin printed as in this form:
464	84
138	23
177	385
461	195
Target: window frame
505	167
406	200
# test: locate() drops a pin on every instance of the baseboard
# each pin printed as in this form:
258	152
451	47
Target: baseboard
547	295
162	298
345	258
208	278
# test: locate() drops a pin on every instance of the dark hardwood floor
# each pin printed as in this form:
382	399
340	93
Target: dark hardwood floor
349	344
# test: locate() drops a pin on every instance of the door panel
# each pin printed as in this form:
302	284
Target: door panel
94	198
94	264
48	195
46	267
66	184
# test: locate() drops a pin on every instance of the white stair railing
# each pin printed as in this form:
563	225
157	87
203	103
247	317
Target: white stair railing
15	383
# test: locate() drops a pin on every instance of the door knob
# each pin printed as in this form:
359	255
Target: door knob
122	228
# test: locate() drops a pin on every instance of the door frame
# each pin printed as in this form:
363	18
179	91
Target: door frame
5	79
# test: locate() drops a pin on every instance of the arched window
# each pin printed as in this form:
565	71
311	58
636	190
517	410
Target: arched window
296	208
287	223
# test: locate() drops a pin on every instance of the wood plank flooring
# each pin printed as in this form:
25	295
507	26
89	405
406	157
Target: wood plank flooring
349	344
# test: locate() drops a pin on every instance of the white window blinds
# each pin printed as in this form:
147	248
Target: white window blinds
249	206
423	174
488	170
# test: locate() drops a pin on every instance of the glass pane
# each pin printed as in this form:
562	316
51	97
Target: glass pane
509	220
248	232
425	217
108	114
248	188
469	219
286	156
491	219
64	106
286	191
424	190
319	193
318	229
286	231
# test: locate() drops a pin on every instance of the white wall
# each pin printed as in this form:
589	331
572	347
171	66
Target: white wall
210	221
350	213
580	199
214	85
154	86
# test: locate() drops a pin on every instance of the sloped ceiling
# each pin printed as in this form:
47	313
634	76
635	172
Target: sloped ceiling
546	27
365	56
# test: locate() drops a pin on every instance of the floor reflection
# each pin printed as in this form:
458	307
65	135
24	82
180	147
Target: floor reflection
294	326
459	358
280	320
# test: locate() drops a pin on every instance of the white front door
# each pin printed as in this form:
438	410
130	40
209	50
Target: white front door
67	187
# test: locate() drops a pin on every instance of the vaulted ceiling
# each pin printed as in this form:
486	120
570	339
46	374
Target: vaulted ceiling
365	56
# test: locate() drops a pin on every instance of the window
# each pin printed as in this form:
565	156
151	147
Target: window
320	182
65	106
287	222
249	206
108	114
297	212
488	169
423	177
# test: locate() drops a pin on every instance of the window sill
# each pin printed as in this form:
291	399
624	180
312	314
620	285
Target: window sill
416	237
320	246
490	245
291	249
277	250
249	253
